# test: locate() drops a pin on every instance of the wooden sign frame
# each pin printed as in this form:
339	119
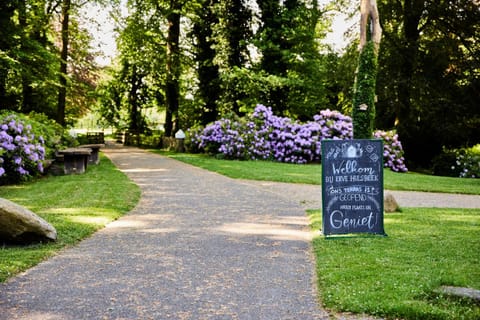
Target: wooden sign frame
352	187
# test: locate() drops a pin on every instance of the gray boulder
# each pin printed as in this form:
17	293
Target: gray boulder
20	225
390	204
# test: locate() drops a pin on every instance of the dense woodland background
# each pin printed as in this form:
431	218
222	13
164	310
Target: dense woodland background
198	60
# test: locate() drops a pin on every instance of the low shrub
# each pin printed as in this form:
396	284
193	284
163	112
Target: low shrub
463	163
263	135
21	153
25	142
393	154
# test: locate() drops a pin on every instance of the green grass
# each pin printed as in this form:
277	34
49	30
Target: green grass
76	205
312	174
396	276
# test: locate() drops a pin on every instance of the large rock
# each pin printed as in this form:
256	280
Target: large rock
20	225
390	204
468	293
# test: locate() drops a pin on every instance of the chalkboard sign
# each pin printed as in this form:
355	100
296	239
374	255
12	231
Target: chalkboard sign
352	186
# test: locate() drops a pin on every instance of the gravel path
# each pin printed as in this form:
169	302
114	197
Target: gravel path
310	196
197	246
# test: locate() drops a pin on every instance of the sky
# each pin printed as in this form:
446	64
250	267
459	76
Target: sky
104	35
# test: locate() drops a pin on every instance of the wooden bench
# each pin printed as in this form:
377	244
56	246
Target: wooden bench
95	137
94	156
75	160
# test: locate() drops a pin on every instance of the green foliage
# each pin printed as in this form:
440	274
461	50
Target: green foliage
55	136
396	276
290	53
219	72
72	205
363	114
464	163
30	61
428	75
137	83
207	71
26	141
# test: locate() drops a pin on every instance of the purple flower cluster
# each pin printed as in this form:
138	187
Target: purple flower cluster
392	150
265	136
21	153
223	136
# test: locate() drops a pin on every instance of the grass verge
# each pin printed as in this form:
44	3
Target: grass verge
312	174
76	205
396	276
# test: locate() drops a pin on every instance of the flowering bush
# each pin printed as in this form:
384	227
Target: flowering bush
392	150
21	152
263	135
463	163
468	161
223	137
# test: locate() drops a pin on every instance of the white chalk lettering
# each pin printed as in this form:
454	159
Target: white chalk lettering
353	197
351	167
339	221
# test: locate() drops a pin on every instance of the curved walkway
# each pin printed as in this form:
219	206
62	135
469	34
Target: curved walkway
197	246
310	196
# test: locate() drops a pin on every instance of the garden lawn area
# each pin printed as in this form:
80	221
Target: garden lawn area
76	205
312	174
396	276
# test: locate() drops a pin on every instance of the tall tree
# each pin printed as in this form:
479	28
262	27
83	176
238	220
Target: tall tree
138	82
289	47
428	75
8	32
233	35
173	70
364	97
62	91
274	45
207	70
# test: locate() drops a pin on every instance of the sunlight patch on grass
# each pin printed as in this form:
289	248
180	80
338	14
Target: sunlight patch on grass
76	205
91	220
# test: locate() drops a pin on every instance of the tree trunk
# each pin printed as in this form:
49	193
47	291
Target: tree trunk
208	71
363	113
172	68
62	92
369	17
133	101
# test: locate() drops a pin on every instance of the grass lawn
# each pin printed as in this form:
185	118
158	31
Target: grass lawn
76	205
312	174
396	276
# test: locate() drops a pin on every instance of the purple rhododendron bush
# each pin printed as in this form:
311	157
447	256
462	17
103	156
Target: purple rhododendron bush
263	135
25	143
21	153
392	150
